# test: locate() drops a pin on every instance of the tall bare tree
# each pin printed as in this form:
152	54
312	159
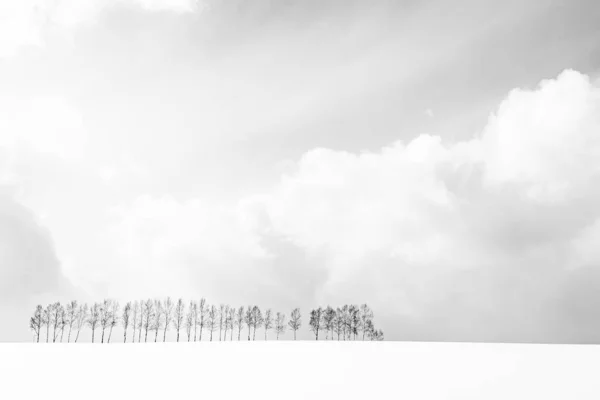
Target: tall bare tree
202	311
316	321
249	320
257	320
157	322
365	315
178	316
212	322
94	318
125	319
354	320
114	317
56	319
72	309
225	322
328	318
221	315
338	323
295	321
279	324
168	315
189	321
141	321
268	322
345	318
231	322
62	322
35	323
148	314
135	314
105	316
239	321
47	319
194	313
82	318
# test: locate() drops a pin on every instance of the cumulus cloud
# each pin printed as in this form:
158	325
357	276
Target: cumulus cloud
485	239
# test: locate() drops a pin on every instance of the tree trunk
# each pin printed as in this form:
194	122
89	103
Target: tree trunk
165	335
254	333
133	338
125	336
48	332
102	341
178	335
93	333
155	335
69	336
62	333
294	334
110	334
146	336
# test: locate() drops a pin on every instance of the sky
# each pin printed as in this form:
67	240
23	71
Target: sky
439	162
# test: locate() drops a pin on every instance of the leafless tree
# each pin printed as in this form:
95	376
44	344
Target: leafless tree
338	323
72	309
148	314
354	320
295	321
189	321
226	322
345	318
35	323
135	313
211	323
157	322
194	313
239	321
62	322
221	315
369	329
105	316
94	318
114	317
125	318
178	316
365	315
249	320
257	320
231	319
56	320
202	311
168	313
316	321
328	318
279	324
141	321
268	322
47	319
82	318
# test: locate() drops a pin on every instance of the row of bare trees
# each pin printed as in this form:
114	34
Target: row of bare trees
156	317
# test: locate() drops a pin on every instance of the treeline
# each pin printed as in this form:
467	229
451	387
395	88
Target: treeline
154	318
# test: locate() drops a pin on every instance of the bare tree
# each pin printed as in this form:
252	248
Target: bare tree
105	317
239	321
231	322
338	323
295	321
354	320
189	321
257	320
248	320
168	313
328	318
56	319
316	321
202	311
157	322
94	318
365	315
194	314
178	316
125	318
135	313
221	315
82	318
47	320
141	321
345	318
279	324
268	322
114	317
35	323
148	314
369	328
72	309
211	323
226	322
62	322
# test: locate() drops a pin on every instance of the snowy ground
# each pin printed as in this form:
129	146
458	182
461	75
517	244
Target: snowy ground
299	370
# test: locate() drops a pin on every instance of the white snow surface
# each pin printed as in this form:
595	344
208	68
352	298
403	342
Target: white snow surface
288	370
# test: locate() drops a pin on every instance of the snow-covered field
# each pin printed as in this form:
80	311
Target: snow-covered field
299	370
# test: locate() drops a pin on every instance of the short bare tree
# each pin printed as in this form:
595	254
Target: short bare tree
295	321
221	317
35	323
47	320
212	321
268	322
316	321
62	322
148	314
328	318
114	317
239	321
257	320
202	312
105	316
157	322
72	309
365	315
178	316
249	320
231	322
189	321
56	320
135	314
94	318
125	319
194	314
338	323
279	324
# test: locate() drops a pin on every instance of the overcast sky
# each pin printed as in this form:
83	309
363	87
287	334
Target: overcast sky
437	160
